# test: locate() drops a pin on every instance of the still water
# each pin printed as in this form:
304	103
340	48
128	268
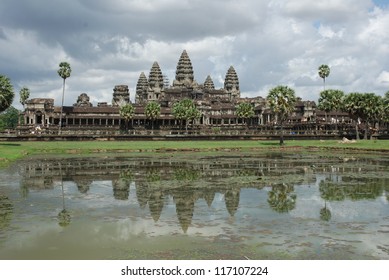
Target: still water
196	206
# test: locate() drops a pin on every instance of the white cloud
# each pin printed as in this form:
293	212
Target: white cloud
267	42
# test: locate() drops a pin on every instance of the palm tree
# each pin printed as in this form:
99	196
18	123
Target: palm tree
385	117
178	111
24	95
152	112
324	72
6	93
64	72
245	111
282	100
372	110
331	100
353	105
127	112
186	110
367	107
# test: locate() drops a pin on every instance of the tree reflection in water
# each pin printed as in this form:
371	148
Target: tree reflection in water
325	213
282	198
63	216
6	210
156	180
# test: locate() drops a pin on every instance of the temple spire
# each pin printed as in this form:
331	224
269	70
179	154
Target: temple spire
208	84
184	71
141	88
231	83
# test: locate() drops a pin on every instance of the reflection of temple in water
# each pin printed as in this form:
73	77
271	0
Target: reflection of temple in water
155	180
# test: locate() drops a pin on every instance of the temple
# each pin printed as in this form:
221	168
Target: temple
217	106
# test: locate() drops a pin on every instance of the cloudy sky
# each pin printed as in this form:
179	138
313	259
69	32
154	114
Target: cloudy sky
268	42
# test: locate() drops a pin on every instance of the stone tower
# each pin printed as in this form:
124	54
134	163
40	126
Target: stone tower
208	84
231	83
121	95
141	88
155	88
184	72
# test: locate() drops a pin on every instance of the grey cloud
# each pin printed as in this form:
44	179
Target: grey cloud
110	42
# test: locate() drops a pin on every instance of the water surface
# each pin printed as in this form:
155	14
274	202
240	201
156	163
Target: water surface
196	206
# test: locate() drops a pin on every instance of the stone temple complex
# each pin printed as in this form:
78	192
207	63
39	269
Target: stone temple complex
217	106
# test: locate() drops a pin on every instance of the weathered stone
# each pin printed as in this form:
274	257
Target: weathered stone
121	95
208	84
184	72
83	101
141	89
231	83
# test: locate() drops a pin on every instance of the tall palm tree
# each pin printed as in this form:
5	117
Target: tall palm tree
152	112
64	72
324	72
245	111
282	100
6	93
127	112
24	95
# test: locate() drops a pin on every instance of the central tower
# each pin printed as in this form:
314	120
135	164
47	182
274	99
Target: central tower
184	72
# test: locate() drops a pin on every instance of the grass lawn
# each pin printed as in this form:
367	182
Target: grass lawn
11	151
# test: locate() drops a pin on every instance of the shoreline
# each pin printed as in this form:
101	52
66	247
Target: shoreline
15	150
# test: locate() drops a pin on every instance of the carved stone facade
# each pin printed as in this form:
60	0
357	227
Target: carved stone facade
217	106
121	95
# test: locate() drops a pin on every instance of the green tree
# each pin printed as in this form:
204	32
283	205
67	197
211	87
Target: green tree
353	105
385	110
152	112
186	110
245	111
127	112
373	111
24	95
282	100
64	72
6	93
324	72
366	107
9	118
331	100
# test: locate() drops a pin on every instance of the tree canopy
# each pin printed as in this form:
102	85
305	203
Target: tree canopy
64	70
24	95
324	72
186	110
282	100
6	93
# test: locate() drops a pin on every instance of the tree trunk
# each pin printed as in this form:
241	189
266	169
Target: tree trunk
60	117
282	135
356	131
366	130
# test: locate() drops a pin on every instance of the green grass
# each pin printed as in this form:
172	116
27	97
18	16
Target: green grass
11	151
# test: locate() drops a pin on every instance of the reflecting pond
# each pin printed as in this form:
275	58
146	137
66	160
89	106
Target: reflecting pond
196	206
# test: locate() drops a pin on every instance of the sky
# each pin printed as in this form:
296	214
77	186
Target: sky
269	43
